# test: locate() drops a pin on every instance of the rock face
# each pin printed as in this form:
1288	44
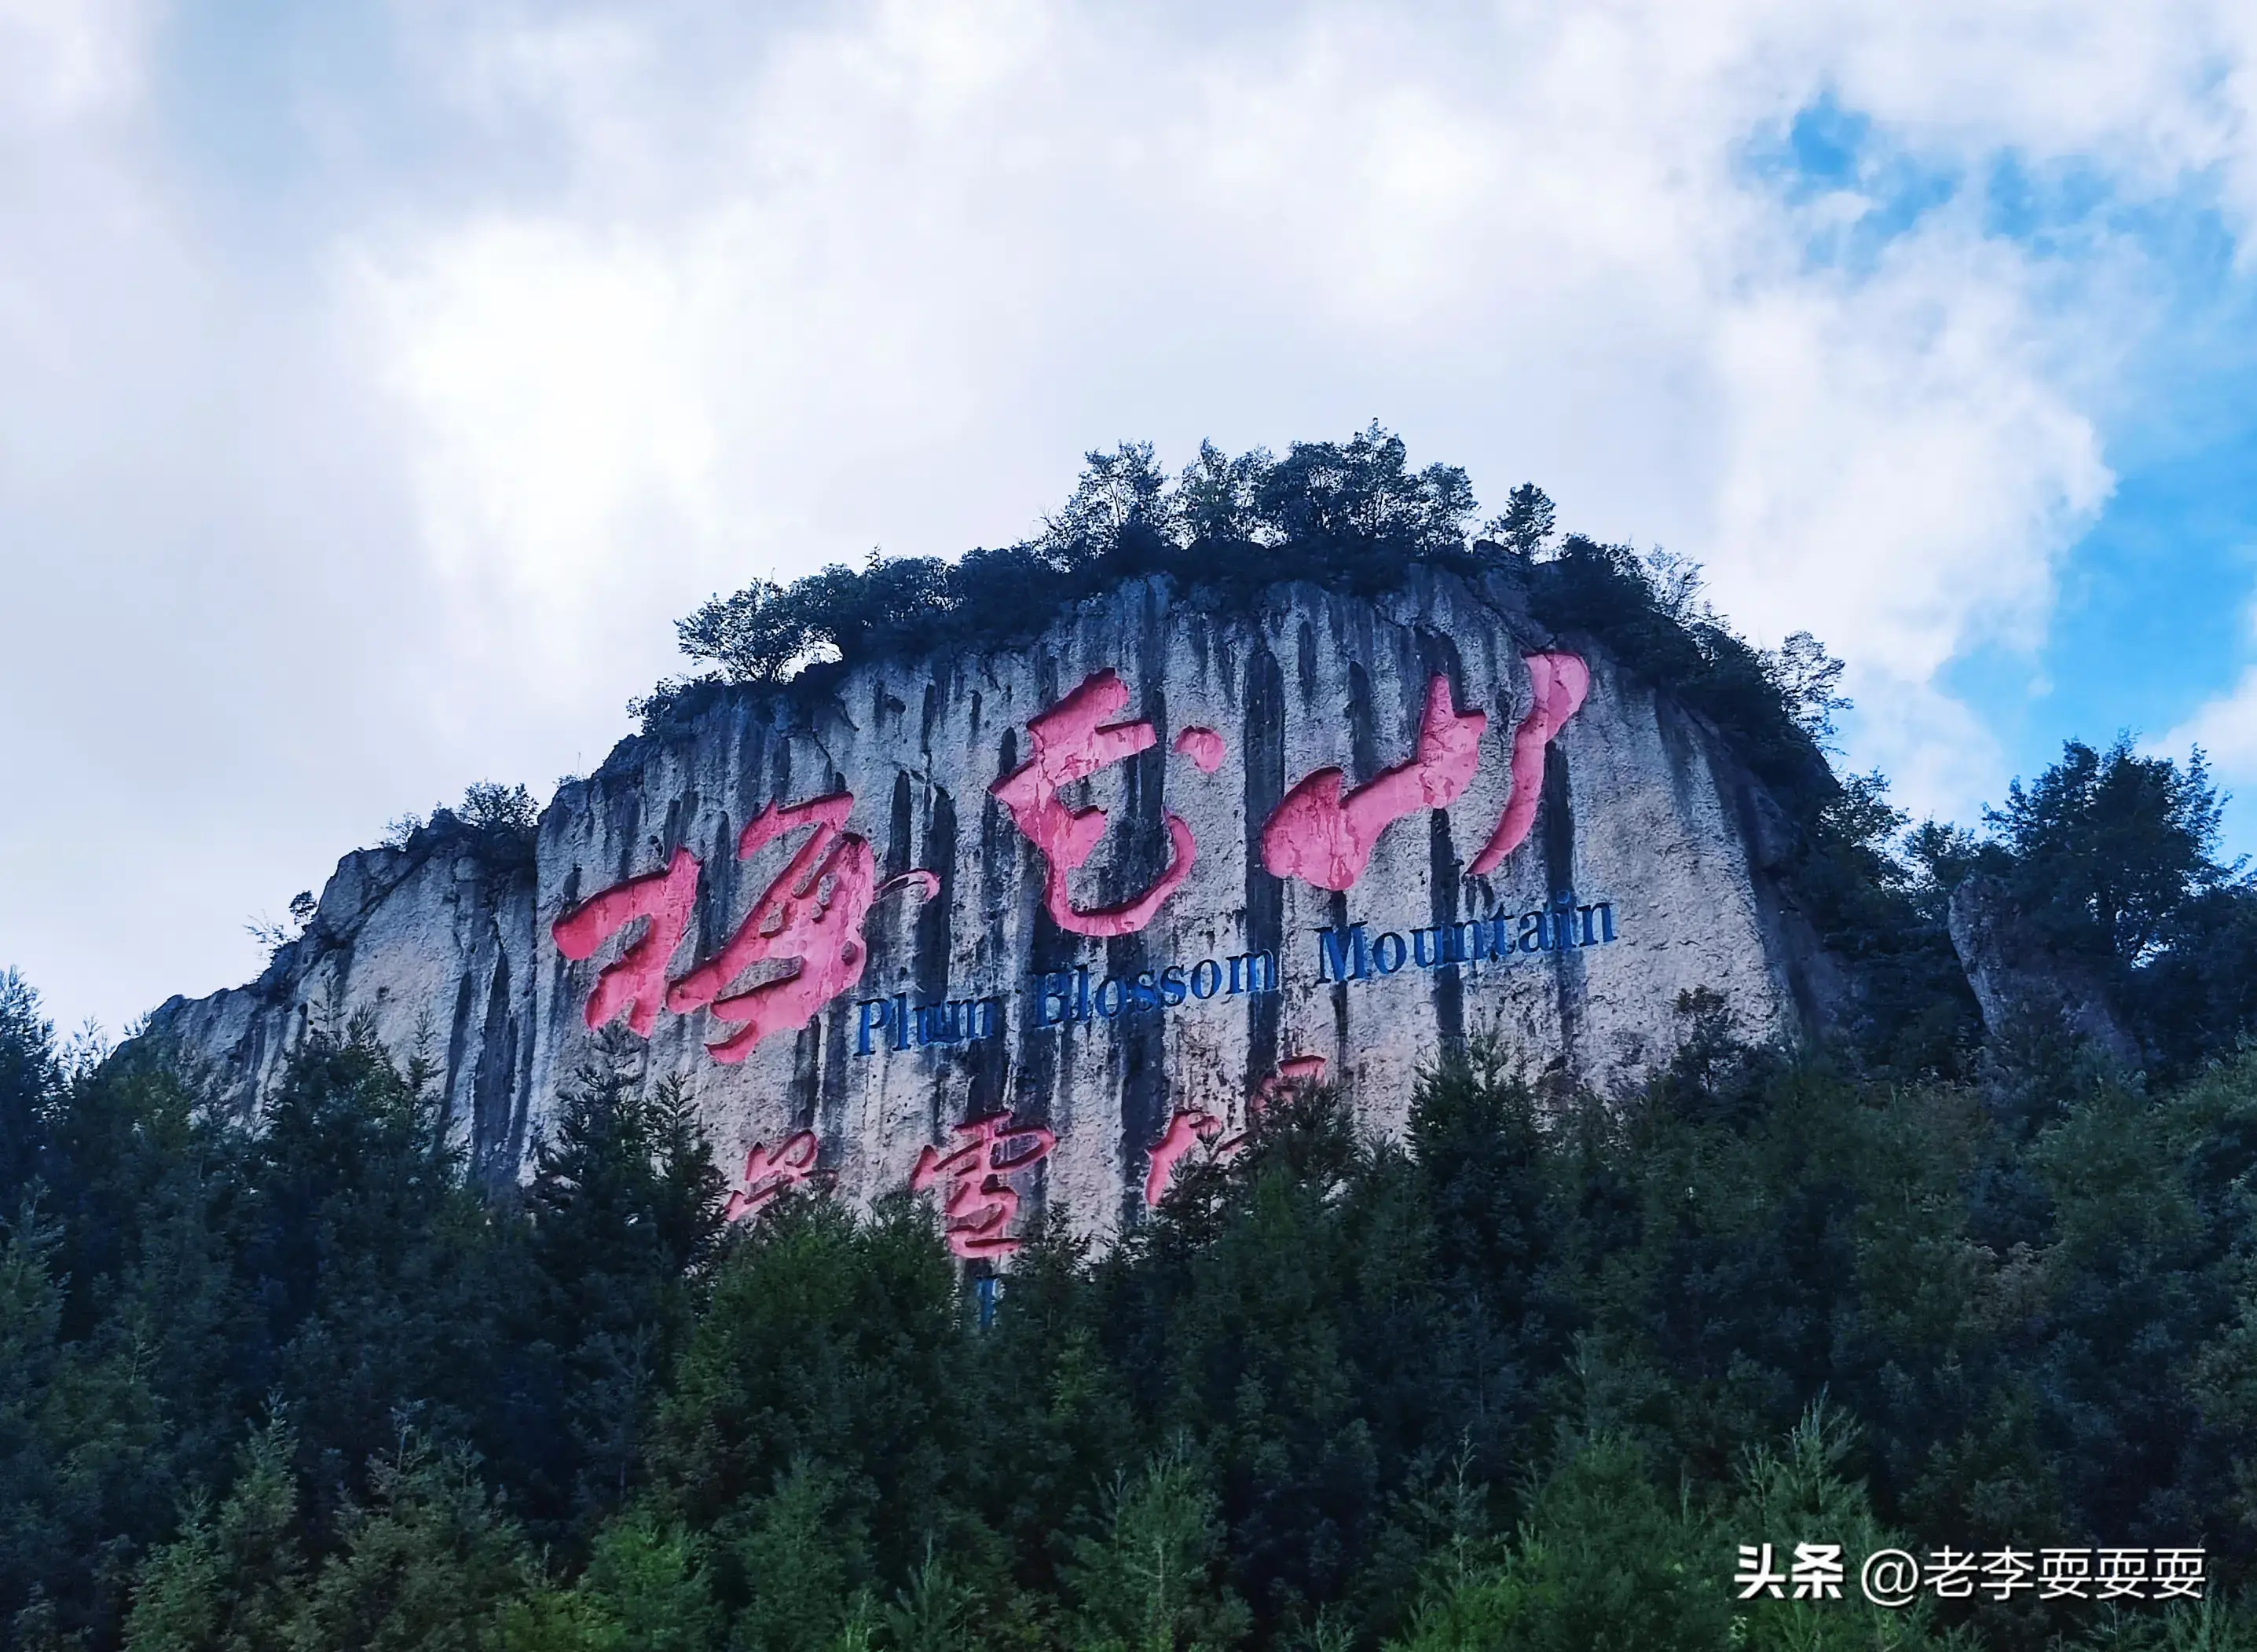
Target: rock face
2013	974
433	944
1133	986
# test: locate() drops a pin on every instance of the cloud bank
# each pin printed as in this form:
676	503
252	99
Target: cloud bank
338	487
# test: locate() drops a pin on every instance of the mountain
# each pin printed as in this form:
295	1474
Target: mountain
858	913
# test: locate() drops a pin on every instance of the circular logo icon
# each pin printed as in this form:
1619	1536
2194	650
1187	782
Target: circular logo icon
1889	1577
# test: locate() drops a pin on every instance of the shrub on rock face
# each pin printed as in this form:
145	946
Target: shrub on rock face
488	805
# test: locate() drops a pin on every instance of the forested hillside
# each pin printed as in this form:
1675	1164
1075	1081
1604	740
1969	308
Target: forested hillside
1531	1378
1527	1380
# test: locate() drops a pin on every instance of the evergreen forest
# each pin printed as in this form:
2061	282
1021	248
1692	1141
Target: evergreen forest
1530	1377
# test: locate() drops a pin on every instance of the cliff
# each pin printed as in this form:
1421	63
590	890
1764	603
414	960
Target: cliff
1523	837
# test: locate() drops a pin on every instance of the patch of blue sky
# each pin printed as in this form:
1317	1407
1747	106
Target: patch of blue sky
2054	210
2153	614
2156	604
287	118
1828	154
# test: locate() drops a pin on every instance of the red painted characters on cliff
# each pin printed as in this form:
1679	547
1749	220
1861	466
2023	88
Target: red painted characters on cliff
1561	681
770	1172
1188	1128
1326	839
1072	741
1323	837
809	919
635	984
980	1203
808	923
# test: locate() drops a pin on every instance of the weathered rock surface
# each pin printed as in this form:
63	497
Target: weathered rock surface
1646	820
2016	975
434	946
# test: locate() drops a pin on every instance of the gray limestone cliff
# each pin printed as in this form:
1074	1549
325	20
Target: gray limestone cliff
2013	974
1649	831
433	944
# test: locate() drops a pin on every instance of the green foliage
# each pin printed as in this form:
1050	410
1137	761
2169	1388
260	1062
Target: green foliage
1877	898
934	1612
826	1342
30	1080
2110	859
801	1556
1353	515
1649	613
645	1588
623	1211
428	1562
184	1272
2107	847
234	1581
1782	1494
1527	1379
1605	1562
494	823
1525	529
488	805
1147	1580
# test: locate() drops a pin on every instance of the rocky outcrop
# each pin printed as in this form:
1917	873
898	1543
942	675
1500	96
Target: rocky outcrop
1061	991
2016	977
431	946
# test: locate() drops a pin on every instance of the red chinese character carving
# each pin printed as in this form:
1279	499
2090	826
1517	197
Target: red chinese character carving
1560	680
636	982
1072	742
980	1203
1187	1128
1293	1071
810	917
1184	1131
1203	746
769	1172
1326	839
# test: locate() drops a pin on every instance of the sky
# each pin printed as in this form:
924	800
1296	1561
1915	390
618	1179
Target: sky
378	382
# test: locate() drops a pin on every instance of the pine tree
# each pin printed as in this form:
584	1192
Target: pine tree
233	1580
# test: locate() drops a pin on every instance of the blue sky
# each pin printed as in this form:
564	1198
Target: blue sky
2153	610
379	381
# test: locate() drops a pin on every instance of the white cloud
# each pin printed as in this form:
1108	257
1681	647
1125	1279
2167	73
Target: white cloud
564	431
64	61
2225	729
665	296
1900	477
939	249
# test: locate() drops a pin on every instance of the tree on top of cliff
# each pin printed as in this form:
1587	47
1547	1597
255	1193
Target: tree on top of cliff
1353	515
2110	846
495	822
2110	858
